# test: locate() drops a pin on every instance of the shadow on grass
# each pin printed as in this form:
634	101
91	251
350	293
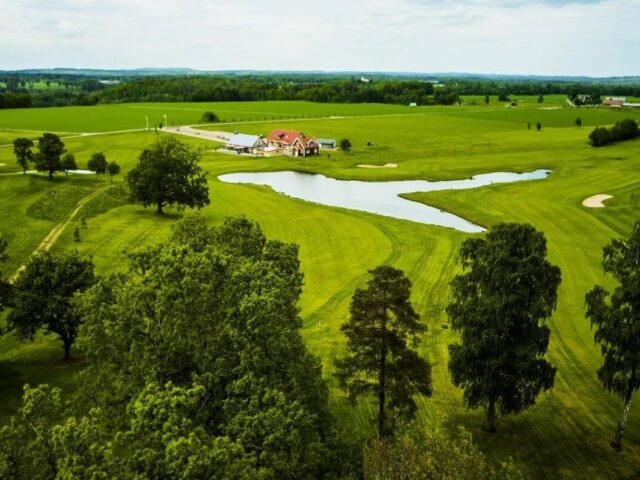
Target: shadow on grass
35	363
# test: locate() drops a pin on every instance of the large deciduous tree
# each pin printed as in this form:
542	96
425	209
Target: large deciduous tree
22	150
381	332
616	318
499	307
50	148
208	320
168	174
43	293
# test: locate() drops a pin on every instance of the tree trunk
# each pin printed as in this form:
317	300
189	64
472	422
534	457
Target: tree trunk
67	348
159	208
50	174
617	439
382	380
490	422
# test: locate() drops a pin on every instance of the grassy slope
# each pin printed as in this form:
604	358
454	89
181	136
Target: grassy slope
566	435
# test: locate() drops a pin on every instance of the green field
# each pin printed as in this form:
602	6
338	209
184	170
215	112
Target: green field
565	435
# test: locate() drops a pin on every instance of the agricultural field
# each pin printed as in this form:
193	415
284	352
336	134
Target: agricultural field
565	436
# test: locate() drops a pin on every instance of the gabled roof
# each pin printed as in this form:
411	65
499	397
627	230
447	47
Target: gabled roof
243	140
285	136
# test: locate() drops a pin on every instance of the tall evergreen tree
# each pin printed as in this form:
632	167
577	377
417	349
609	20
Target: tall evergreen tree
499	307
616	318
380	333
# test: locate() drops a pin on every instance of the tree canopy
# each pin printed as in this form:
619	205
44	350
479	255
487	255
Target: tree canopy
380	333
616	319
345	145
433	455
98	163
50	148
168	174
499	306
43	293
22	150
68	162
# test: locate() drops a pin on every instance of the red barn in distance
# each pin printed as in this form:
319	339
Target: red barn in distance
294	143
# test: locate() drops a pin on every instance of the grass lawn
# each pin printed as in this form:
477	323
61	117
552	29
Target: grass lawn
566	434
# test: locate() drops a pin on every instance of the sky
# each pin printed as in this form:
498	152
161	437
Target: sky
543	37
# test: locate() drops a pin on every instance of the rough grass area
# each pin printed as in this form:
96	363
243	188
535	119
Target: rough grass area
56	204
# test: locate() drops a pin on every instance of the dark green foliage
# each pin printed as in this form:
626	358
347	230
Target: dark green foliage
209	117
486	100
503	97
538	126
345	145
69	162
600	136
499	305
43	294
76	235
22	150
50	148
434	456
113	169
616	318
624	130
196	365
98	163
168	174
540	99
578	122
380	333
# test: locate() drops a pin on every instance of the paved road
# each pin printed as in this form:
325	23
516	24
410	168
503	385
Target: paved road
216	136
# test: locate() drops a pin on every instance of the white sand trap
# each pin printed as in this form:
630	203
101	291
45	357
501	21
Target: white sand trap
386	165
596	201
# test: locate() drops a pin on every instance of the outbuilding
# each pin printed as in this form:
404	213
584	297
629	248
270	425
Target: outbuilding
327	143
242	143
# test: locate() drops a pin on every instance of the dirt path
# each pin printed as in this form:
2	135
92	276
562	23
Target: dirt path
55	233
216	136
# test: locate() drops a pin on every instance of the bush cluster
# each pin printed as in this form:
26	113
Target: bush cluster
624	130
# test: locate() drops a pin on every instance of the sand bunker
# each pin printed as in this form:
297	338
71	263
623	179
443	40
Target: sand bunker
386	165
596	201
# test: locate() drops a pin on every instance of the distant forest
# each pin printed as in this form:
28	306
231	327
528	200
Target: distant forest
24	90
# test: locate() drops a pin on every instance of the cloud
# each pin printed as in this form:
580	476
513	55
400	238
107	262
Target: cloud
594	37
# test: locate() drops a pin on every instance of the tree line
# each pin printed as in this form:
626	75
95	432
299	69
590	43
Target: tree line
310	87
52	157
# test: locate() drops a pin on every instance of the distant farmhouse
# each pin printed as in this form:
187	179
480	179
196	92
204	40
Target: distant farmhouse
614	101
293	143
247	144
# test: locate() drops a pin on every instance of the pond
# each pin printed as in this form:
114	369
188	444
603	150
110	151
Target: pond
379	197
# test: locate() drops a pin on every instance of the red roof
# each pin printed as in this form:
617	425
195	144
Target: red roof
285	136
